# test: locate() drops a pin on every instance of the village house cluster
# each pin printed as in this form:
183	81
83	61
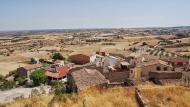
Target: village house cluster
103	69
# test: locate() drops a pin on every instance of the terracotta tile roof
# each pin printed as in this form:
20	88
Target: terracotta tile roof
79	58
59	72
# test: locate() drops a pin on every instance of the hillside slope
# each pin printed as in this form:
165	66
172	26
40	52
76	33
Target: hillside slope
156	96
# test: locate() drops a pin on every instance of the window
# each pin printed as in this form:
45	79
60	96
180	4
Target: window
158	68
165	68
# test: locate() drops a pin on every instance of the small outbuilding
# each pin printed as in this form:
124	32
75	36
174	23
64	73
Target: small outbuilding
84	78
143	70
27	70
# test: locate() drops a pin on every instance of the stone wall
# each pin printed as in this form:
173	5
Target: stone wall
117	76
166	75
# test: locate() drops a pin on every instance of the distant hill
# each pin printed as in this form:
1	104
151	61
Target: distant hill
159	30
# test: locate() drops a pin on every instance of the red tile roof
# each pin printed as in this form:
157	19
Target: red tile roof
60	72
79	59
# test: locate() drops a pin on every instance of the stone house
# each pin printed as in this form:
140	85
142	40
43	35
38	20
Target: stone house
116	69
27	70
83	78
142	70
56	72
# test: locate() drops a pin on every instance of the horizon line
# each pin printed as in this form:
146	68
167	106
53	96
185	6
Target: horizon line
98	28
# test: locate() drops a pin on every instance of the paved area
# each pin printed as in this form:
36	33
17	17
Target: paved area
9	95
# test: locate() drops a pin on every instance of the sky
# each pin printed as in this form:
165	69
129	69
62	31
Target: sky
74	14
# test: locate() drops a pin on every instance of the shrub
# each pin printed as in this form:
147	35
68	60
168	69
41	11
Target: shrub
162	49
181	35
41	60
2	78
167	54
173	54
151	52
108	43
38	77
186	56
58	56
58	88
144	43
35	92
161	53
7	85
133	49
21	80
32	61
148	50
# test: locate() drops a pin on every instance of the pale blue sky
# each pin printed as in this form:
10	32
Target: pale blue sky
67	14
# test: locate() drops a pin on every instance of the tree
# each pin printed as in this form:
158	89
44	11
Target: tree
2	77
38	77
144	43
181	35
58	56
41	60
33	61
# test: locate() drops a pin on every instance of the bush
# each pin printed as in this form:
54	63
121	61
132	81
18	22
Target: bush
58	56
144	43
7	85
35	92
162	49
161	53
21	80
38	77
133	49
108	43
148	50
181	35
32	61
58	88
167	54
173	54
2	78
186	56
41	60
151	52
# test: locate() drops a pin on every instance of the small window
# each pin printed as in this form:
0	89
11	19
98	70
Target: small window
131	71
165	68
158	68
